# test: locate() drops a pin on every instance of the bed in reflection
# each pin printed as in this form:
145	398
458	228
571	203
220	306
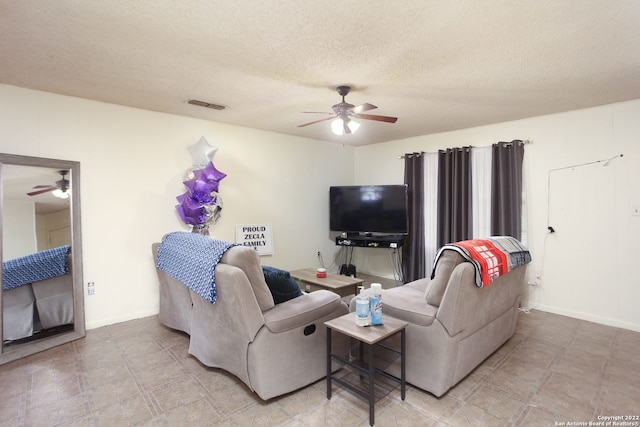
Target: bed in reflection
37	293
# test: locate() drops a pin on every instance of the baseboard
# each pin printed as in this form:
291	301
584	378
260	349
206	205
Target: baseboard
112	320
582	316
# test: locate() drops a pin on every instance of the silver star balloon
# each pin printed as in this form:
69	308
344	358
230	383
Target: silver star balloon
202	152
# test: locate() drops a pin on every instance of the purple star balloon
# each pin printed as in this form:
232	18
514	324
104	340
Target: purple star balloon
200	184
191	212
212	174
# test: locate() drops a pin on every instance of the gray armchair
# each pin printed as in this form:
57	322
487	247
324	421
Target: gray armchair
454	325
273	349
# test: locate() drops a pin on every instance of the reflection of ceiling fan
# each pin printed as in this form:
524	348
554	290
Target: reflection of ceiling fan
60	189
344	112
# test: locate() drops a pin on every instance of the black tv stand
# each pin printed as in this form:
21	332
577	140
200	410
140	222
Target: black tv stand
371	241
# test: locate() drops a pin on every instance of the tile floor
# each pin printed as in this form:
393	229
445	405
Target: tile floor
554	370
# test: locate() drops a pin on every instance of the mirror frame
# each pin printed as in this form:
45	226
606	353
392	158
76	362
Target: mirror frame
22	350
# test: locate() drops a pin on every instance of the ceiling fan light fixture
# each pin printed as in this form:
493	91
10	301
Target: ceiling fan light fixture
60	194
341	122
337	126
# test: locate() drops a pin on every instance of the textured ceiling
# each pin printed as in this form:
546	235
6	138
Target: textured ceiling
436	65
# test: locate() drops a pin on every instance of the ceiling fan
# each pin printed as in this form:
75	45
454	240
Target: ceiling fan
60	189
344	112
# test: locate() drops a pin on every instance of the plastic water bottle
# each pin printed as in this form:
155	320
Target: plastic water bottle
376	304
362	308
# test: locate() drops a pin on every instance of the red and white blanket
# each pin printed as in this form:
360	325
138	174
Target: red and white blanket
492	257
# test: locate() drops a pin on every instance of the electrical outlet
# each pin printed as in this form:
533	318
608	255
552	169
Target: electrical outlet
91	288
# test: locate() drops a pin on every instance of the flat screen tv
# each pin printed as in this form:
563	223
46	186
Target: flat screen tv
369	209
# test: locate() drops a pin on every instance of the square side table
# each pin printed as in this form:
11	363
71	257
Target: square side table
369	336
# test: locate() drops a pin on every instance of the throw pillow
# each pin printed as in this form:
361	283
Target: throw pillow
283	287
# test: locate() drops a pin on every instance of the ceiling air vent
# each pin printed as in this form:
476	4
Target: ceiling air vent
206	104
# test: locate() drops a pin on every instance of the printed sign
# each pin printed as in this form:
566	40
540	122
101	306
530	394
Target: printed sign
257	236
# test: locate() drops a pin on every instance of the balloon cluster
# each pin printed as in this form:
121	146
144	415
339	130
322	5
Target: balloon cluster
201	204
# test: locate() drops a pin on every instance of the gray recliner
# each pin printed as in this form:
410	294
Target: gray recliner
273	349
453	324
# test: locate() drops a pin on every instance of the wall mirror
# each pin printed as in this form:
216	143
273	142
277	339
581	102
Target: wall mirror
41	302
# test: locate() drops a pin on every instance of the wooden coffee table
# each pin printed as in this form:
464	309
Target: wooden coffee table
338	283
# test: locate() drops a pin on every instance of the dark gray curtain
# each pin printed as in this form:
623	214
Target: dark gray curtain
413	266
506	189
455	215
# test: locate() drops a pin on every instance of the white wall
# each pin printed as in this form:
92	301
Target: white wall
132	167
19	234
587	267
133	161
46	224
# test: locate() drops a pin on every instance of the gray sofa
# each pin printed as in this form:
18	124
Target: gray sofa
453	324
273	348
37	305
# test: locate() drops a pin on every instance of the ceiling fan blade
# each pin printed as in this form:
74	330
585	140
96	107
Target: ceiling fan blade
376	118
35	193
317	121
316	112
360	108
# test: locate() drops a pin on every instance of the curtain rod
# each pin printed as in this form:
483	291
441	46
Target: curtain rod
524	141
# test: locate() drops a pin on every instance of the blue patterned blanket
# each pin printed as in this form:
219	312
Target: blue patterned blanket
32	268
192	258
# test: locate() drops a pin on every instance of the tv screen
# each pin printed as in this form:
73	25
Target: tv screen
375	209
